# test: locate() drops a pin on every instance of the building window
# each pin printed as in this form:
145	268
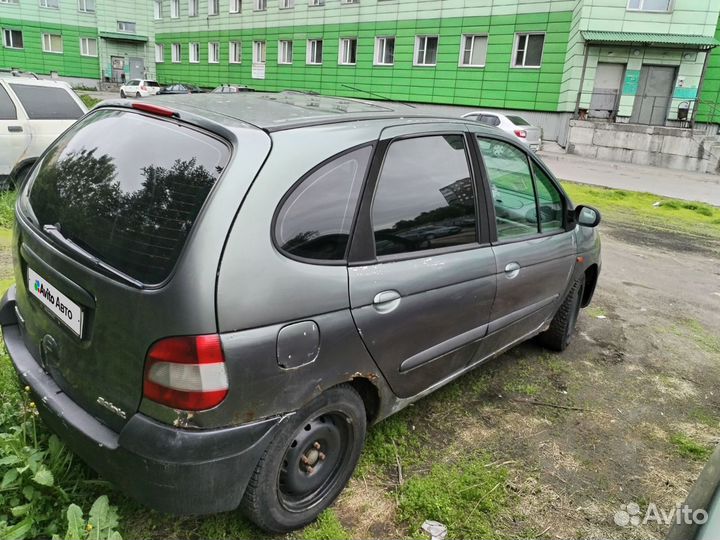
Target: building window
192	8
235	6
52	43
126	26
260	5
474	51
174	9
349	1
384	51
88	46
235	52
213	52
159	53
213	7
348	51
259	52
86	6
157	10
54	4
650	5
528	50
285	51
426	50
9	1
287	4
176	52
315	3
314	51
12	39
193	53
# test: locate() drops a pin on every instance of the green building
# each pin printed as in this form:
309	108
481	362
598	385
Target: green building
634	61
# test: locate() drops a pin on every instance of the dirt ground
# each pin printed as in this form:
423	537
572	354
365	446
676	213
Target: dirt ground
643	369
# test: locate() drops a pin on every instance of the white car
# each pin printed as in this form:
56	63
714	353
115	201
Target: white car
513	124
33	113
139	88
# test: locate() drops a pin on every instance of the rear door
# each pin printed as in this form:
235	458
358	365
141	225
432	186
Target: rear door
534	249
422	274
105	218
14	133
533	134
50	110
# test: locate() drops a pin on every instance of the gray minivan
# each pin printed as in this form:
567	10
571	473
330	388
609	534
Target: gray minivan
212	314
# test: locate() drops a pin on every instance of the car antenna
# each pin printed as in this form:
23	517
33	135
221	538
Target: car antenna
377	95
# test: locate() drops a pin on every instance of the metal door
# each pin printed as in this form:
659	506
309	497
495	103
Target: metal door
137	68
422	314
654	95
14	132
608	78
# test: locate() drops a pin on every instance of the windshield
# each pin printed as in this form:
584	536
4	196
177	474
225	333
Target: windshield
130	201
518	121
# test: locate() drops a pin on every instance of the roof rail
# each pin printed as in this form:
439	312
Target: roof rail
15	72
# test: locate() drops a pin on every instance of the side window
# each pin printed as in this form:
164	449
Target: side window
550	202
7	107
314	221
425	196
47	103
512	188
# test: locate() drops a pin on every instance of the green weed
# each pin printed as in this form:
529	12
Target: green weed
7	209
388	441
327	527
89	101
688	448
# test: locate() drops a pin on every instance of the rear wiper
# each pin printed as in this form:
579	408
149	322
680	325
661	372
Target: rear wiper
54	232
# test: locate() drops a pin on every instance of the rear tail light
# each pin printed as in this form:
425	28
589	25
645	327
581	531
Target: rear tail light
143	88
521	133
186	372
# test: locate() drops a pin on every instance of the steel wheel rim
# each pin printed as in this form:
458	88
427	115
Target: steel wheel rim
311	465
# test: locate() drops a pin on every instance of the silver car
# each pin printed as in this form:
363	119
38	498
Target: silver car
211	315
512	124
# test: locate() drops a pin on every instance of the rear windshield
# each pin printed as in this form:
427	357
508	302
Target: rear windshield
518	121
154	84
127	188
47	102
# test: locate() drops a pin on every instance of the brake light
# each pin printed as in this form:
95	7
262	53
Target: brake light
521	133
154	109
143	88
186	372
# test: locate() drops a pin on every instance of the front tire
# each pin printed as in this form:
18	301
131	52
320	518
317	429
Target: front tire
562	327
308	463
137	95
122	94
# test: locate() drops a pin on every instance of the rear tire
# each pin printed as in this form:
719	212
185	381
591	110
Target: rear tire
308	463
122	94
562	327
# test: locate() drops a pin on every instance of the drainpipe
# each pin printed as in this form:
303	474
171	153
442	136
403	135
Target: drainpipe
699	90
582	81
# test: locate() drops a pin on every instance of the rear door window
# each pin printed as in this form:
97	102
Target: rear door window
130	201
518	121
8	111
425	197
153	84
315	220
47	102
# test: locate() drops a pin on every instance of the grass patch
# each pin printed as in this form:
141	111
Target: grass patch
466	497
527	389
327	527
89	101
703	416
7	209
689	448
671	214
595	311
694	330
392	439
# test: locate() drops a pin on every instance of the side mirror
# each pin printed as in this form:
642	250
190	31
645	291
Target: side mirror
587	216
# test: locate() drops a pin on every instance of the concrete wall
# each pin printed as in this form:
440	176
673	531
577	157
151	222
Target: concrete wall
668	147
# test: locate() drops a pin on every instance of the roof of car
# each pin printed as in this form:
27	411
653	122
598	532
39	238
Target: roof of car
286	110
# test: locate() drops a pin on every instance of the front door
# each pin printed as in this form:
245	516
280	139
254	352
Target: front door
654	95
14	132
534	252
118	68
421	301
608	78
137	68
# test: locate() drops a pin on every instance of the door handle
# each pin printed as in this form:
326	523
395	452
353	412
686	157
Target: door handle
386	301
512	270
15	129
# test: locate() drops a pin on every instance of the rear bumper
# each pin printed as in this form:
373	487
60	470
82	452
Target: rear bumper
169	469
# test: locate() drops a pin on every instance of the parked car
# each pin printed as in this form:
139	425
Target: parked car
181	89
235	299
33	113
512	124
139	88
232	89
